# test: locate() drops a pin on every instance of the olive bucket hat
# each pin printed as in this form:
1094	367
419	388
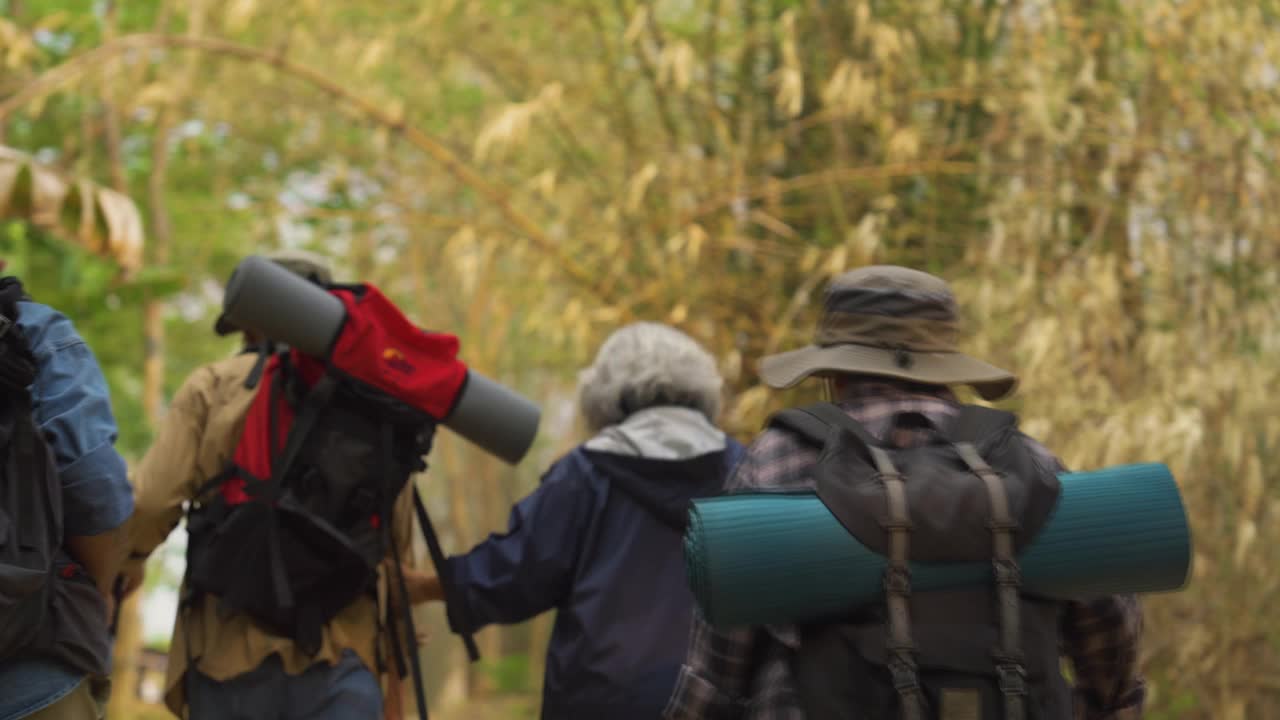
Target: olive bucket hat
889	321
299	262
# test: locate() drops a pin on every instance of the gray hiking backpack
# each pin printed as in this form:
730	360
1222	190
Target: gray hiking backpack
972	493
30	493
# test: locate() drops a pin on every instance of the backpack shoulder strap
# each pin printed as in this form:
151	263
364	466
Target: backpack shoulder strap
975	423
812	422
18	366
11	293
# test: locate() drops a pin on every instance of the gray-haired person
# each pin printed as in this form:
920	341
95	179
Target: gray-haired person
600	539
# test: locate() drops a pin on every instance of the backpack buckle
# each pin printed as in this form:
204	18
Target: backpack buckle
897	525
1012	678
902	670
897	580
890	476
1007	572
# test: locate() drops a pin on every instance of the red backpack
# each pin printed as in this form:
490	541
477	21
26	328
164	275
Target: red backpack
293	530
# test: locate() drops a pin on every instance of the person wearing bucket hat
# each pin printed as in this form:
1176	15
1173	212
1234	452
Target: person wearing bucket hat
222	664
886	349
891	322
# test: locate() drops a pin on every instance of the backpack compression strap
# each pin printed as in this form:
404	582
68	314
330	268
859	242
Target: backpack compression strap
1009	667
813	423
897	588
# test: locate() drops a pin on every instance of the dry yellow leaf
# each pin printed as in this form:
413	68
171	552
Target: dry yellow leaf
238	13
639	184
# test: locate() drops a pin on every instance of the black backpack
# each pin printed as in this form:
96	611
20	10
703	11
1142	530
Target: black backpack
973	493
305	542
30	492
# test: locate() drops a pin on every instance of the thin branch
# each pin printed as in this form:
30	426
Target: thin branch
651	74
621	108
660	42
80	65
710	37
833	176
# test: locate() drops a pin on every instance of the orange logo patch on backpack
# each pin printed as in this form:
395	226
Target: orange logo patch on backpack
396	360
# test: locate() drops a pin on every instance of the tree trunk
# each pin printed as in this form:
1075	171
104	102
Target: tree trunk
128	641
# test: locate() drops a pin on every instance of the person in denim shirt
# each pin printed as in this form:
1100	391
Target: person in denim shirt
72	406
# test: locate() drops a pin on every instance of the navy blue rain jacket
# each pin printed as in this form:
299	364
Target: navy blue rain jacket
600	542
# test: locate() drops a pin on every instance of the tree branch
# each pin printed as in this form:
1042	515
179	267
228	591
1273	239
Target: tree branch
833	176
82	64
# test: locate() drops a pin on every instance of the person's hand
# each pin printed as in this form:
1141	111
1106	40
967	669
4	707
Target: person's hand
423	586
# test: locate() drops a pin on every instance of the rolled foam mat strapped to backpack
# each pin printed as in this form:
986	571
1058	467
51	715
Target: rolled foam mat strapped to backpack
760	558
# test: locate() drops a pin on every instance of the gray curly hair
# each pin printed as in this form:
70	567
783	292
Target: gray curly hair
644	365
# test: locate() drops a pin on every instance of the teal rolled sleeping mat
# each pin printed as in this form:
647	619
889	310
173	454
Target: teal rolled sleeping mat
761	558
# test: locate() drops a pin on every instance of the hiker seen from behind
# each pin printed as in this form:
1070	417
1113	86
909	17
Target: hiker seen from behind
599	541
282	610
893	456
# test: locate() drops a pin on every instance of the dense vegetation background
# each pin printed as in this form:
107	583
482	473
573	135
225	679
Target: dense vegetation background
1097	179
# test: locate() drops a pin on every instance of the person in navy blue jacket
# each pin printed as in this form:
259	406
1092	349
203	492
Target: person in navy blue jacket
600	539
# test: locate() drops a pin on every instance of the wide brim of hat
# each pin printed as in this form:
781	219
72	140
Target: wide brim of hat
784	370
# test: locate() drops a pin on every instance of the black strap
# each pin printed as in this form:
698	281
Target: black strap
279	577
187	600
317	399
230	470
11	293
406	608
392	627
411	633
274	394
17	364
442	568
264	352
188	675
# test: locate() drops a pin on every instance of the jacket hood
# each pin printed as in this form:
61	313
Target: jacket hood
663	458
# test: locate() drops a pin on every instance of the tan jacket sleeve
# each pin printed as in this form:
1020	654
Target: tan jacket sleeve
169	474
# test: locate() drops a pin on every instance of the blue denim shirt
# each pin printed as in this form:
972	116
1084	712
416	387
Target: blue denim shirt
73	406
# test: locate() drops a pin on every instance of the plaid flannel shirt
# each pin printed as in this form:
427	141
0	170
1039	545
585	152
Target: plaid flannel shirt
744	673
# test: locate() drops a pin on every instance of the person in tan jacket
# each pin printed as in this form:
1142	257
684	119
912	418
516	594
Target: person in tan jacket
224	666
